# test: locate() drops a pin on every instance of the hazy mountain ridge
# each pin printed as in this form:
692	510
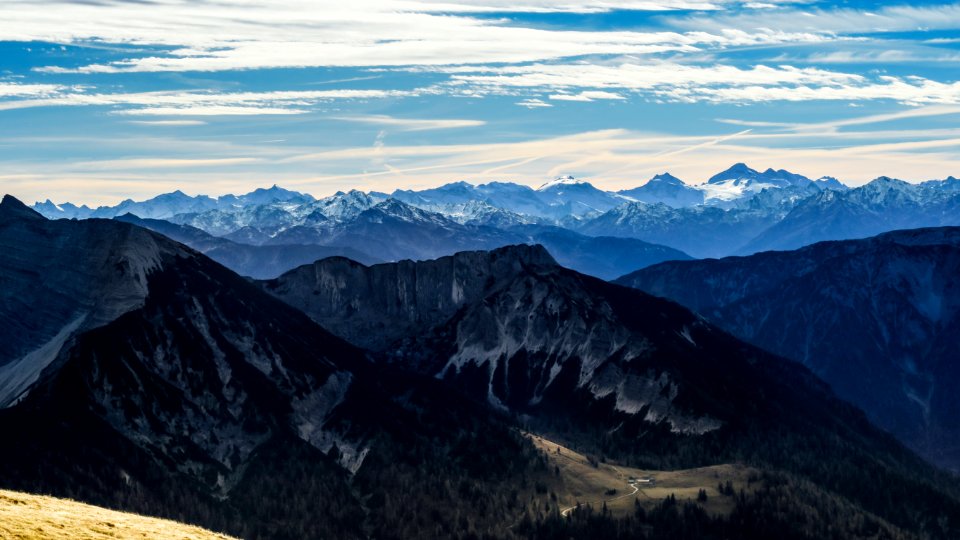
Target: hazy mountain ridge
877	318
260	262
171	204
883	205
396	230
740	210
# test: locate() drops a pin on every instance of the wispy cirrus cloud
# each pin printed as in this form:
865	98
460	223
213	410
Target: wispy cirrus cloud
169	123
161	163
23	90
670	81
833	20
411	124
259	34
587	95
200	103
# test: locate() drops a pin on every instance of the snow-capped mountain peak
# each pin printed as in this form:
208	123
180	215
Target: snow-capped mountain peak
741	181
560	181
735	172
829	182
666	178
342	206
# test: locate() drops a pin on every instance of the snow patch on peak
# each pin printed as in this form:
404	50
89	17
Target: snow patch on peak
665	178
560	181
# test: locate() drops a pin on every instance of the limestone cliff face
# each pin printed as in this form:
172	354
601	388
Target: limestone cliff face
514	329
374	306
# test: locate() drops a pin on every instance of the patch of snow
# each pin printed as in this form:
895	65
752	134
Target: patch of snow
560	181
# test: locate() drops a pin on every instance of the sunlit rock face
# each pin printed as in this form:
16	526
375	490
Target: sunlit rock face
514	329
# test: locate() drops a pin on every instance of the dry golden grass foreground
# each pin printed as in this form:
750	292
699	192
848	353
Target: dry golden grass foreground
25	516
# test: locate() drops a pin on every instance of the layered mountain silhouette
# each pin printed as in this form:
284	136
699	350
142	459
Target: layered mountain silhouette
594	361
395	230
877	319
140	374
256	261
883	205
362	401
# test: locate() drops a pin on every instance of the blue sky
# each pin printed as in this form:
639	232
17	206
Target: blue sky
103	100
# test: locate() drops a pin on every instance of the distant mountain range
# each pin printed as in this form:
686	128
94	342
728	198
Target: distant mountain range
737	211
878	319
171	204
261	262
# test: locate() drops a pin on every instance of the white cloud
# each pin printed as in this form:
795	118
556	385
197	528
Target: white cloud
831	126
441	36
19	90
411	124
173	123
668	81
202	103
559	6
587	95
534	103
901	18
203	35
882	57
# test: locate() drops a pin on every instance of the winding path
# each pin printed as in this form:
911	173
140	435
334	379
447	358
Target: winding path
636	489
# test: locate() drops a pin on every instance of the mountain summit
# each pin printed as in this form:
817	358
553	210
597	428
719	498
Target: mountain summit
560	181
667	189
11	208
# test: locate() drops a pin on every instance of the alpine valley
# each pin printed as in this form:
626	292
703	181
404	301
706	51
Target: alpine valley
451	362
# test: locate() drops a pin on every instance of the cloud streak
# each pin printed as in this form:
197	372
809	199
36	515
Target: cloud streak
200	103
411	124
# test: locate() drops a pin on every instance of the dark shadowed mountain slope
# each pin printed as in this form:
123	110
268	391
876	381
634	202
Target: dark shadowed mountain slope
878	319
625	373
259	262
600	256
161	382
701	231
